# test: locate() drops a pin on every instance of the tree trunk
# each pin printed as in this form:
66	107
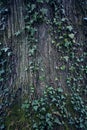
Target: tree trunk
46	59
48	43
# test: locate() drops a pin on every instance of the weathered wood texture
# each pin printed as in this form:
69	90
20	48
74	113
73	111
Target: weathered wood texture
17	44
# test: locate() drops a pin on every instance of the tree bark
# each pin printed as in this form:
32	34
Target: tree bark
47	55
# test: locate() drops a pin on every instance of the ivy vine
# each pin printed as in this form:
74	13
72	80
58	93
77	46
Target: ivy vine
55	108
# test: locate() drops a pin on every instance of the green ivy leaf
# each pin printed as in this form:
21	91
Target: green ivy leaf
33	6
63	67
9	53
2	71
69	28
40	1
71	35
35	108
60	90
18	33
2	127
57	121
5	49
44	11
63	19
66	58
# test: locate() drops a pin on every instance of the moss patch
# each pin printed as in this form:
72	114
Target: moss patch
16	119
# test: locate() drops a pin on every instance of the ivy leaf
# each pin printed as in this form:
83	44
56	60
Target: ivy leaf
69	28
17	33
35	108
35	125
56	79
71	35
85	19
1	79
33	6
5	49
66	58
63	19
9	53
44	11
28	27
2	71
63	67
60	90
53	41
26	68
2	127
57	121
40	1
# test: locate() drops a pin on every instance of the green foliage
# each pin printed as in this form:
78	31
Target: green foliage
56	109
40	1
42	114
5	71
3	15
5	55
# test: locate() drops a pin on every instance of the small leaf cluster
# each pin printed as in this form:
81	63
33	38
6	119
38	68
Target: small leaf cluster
3	15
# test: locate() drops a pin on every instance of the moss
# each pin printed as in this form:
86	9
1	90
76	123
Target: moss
69	106
66	126
16	119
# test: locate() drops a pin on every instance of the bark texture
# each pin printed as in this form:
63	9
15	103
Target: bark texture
47	55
